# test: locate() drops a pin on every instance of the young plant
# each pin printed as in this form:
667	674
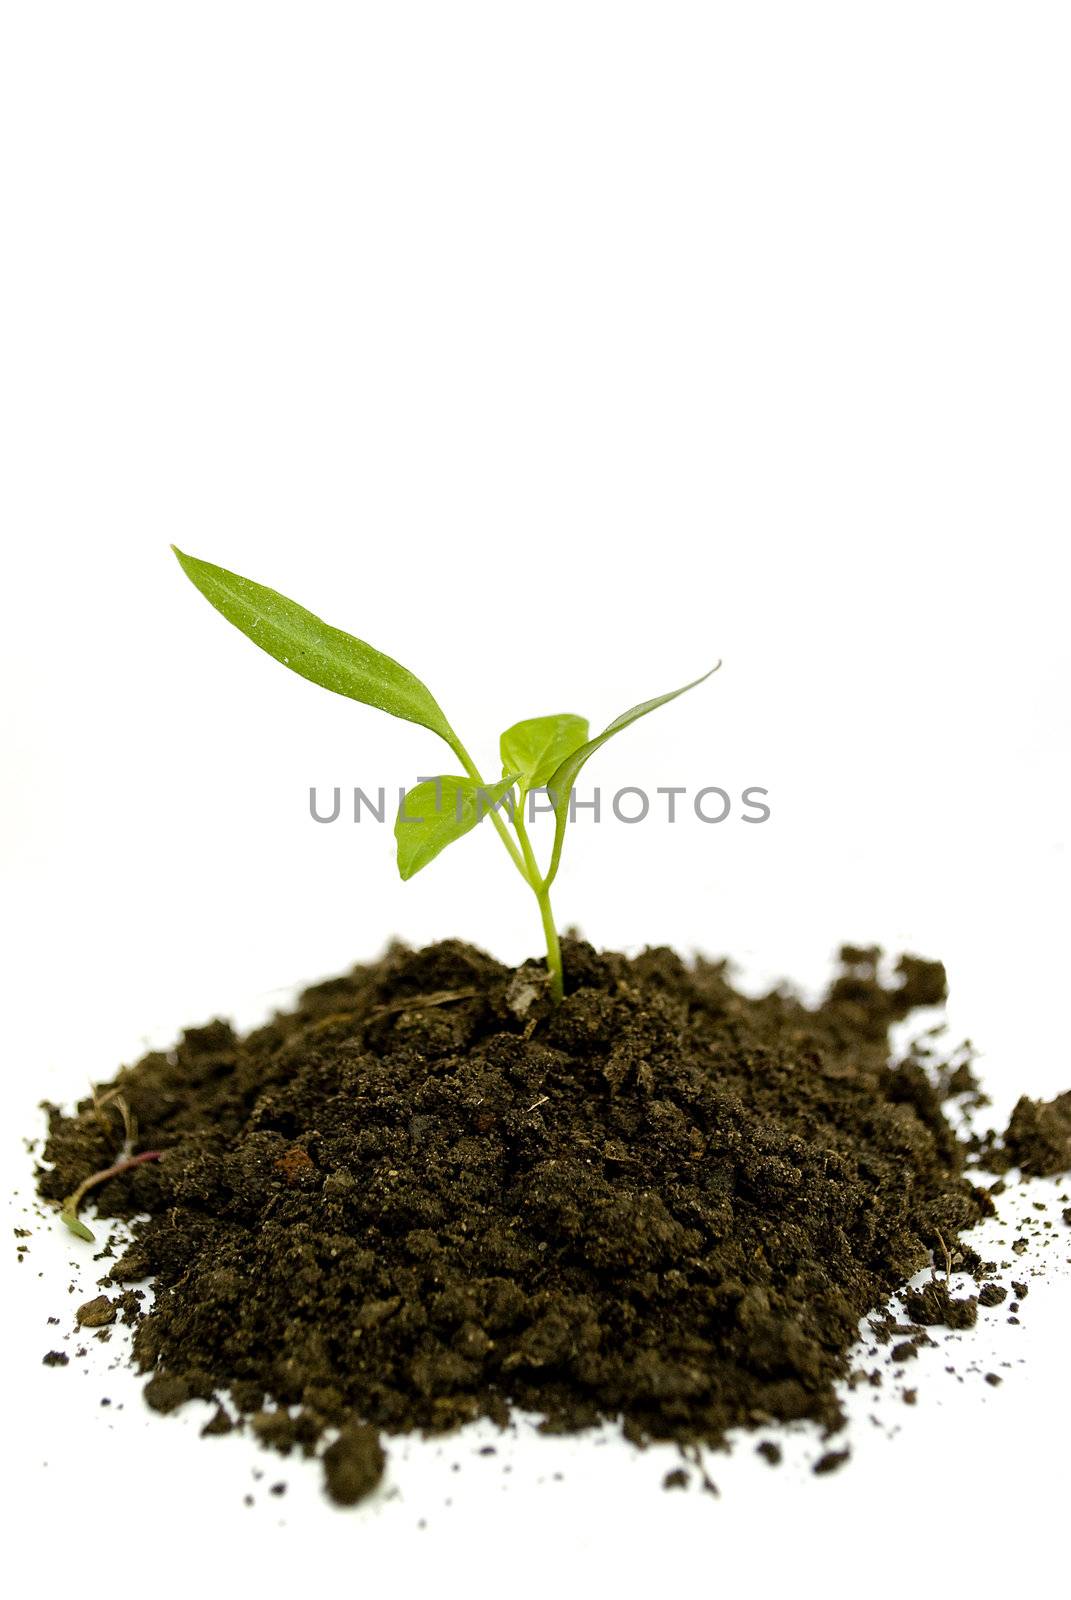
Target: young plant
125	1161
540	753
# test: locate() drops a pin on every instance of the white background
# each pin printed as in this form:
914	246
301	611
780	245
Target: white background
557	351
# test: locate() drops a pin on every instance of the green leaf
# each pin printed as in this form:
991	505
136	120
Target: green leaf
439	811
77	1226
313	649
561	782
537	748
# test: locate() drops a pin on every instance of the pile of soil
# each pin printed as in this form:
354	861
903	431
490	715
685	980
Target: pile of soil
428	1195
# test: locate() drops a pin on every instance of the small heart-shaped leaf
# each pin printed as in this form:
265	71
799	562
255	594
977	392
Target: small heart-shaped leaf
437	812
536	748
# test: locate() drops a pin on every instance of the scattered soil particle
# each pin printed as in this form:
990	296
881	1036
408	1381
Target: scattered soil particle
96	1313
219	1423
167	1391
414	1201
55	1358
1038	1138
770	1452
678	1478
354	1464
933	1305
994	1379
830	1461
992	1294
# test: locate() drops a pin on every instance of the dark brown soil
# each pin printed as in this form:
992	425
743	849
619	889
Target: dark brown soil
1038	1139
427	1196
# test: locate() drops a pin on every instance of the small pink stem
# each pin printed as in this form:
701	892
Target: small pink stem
69	1212
124	1166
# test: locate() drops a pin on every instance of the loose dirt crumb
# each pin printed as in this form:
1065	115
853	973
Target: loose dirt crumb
96	1313
167	1391
219	1423
354	1464
1038	1139
933	1306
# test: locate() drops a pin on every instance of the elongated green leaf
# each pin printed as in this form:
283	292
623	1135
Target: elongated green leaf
561	782
537	748
439	811
313	649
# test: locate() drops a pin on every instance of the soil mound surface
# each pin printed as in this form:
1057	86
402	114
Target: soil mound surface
427	1195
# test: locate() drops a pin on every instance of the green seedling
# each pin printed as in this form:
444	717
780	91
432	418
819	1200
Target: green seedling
540	753
124	1162
69	1209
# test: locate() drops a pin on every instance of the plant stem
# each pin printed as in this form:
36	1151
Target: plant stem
69	1213
554	949
525	862
541	890
500	827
